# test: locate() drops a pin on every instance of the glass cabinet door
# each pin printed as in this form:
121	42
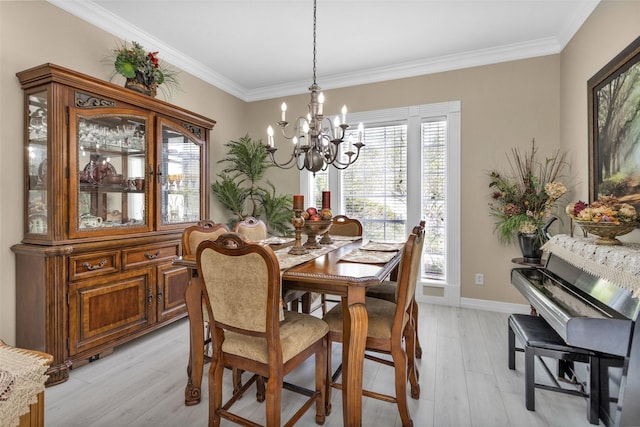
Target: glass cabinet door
37	212
180	175
109	163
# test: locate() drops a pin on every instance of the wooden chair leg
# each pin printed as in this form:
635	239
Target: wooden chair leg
400	362
260	392
321	378
414	320
274	400
215	389
412	369
329	373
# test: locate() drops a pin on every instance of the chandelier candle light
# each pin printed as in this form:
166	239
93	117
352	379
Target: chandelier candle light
316	139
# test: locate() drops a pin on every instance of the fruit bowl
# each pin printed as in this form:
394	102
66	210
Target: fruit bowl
312	229
607	231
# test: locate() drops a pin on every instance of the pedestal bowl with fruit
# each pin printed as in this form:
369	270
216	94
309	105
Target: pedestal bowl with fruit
314	225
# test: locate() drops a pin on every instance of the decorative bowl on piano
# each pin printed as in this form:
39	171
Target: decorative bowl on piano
607	231
312	229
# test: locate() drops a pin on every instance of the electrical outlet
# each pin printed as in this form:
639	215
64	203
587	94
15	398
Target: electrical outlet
479	279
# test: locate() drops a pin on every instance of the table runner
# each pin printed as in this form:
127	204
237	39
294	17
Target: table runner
618	264
22	377
287	260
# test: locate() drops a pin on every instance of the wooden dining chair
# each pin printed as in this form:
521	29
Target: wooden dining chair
242	286
191	238
342	225
252	228
389	331
388	290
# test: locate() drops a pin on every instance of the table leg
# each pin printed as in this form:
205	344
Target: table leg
193	297
355	326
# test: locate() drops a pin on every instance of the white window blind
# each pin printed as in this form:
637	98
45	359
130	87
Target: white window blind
434	137
377	183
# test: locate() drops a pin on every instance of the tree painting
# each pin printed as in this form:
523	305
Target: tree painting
616	131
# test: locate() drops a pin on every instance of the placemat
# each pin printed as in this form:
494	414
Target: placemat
347	238
383	246
368	257
287	260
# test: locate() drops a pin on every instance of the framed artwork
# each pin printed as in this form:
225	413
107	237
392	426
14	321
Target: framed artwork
614	128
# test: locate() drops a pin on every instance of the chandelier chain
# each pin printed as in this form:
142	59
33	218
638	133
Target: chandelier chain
317	140
314	42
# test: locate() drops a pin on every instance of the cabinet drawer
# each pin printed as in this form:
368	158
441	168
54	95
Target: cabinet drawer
93	264
152	254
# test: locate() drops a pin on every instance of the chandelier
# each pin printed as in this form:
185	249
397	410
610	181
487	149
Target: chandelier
316	139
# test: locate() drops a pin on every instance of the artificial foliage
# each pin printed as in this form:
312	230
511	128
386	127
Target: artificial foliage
240	190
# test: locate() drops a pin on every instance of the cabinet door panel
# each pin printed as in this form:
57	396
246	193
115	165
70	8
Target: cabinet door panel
172	284
109	171
181	173
102	311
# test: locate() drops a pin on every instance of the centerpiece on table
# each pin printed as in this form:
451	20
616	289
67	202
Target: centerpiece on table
606	218
523	199
143	70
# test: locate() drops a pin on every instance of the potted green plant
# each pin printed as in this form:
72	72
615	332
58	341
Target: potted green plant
239	190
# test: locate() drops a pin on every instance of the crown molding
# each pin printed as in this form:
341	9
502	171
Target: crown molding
96	15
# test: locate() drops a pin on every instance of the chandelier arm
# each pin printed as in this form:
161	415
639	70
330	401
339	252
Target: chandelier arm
358	145
293	160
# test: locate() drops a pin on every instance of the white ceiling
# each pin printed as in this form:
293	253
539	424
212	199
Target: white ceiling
261	49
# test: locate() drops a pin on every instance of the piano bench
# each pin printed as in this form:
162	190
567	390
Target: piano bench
540	339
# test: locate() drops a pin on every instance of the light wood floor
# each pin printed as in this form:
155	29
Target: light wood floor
464	379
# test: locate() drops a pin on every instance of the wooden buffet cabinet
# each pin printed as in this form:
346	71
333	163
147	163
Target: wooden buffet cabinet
112	177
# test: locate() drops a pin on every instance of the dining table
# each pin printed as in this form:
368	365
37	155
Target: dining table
331	270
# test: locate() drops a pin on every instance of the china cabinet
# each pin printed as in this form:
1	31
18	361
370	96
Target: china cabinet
112	177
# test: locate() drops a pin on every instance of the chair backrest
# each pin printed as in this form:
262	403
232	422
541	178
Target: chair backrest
204	229
241	285
408	274
252	228
345	226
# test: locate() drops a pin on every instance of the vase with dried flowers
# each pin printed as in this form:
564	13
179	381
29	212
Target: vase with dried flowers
523	199
143	70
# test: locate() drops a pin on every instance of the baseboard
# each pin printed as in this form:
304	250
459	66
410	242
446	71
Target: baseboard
501	307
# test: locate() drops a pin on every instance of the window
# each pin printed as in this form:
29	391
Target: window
408	171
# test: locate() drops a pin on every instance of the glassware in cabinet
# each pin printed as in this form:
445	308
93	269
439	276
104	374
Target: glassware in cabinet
180	174
109	172
37	154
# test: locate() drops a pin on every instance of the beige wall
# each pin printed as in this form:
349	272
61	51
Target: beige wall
610	28
503	106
